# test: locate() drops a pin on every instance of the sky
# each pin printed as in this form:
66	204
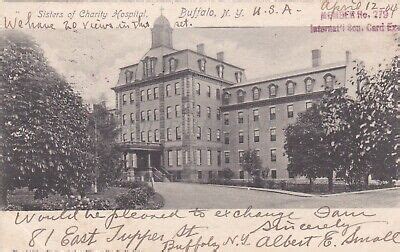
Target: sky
90	60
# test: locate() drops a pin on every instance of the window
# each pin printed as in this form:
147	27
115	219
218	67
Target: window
186	157
209	157
124	137
290	110
309	105
238	77
226	137
199	175
178	133
209	134
226	118
198	157
173	63
290	87
198	132
256	135
142	116
218	135
169	111
273	155
309	83
169	134
198	111
218	114
218	94
329	80
128	76
149	66
272	133
256	93
256	115
177	88
240	117
210	175
220	71
124	99
219	158
155	115
178	175
149	136
227	157
208	112
142	95
272	90
202	65
170	158
155	93
156	136
241	154
272	113
132	136
241	137
208	91
168	90
142	136
241	174
132	97
273	174
178	157
240	96
148	115
132	117
226	98
198	88
123	119
177	111
149	94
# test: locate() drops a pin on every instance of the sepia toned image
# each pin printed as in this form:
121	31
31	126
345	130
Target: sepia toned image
274	117
199	125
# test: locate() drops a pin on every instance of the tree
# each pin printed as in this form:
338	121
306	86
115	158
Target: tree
251	163
363	131
307	147
104	130
45	143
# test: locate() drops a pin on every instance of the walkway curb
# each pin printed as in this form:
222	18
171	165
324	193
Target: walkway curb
298	194
359	192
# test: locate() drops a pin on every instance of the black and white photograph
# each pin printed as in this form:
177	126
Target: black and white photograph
166	118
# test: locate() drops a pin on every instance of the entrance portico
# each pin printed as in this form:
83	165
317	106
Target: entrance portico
141	159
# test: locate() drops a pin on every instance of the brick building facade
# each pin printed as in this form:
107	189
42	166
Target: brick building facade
199	113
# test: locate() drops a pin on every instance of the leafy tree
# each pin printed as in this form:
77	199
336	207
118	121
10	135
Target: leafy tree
104	130
228	174
363	131
45	145
307	147
251	163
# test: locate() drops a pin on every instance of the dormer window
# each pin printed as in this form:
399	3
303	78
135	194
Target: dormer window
273	89
240	95
238	76
220	71
149	65
128	76
202	65
290	87
309	84
256	93
173	64
329	81
226	97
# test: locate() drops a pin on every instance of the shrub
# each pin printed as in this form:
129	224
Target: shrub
136	197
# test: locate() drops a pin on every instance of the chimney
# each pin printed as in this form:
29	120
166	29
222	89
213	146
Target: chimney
200	48
348	56
316	57
220	56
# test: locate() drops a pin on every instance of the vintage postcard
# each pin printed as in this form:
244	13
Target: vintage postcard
200	125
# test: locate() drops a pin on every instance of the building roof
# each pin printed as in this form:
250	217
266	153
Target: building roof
161	20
